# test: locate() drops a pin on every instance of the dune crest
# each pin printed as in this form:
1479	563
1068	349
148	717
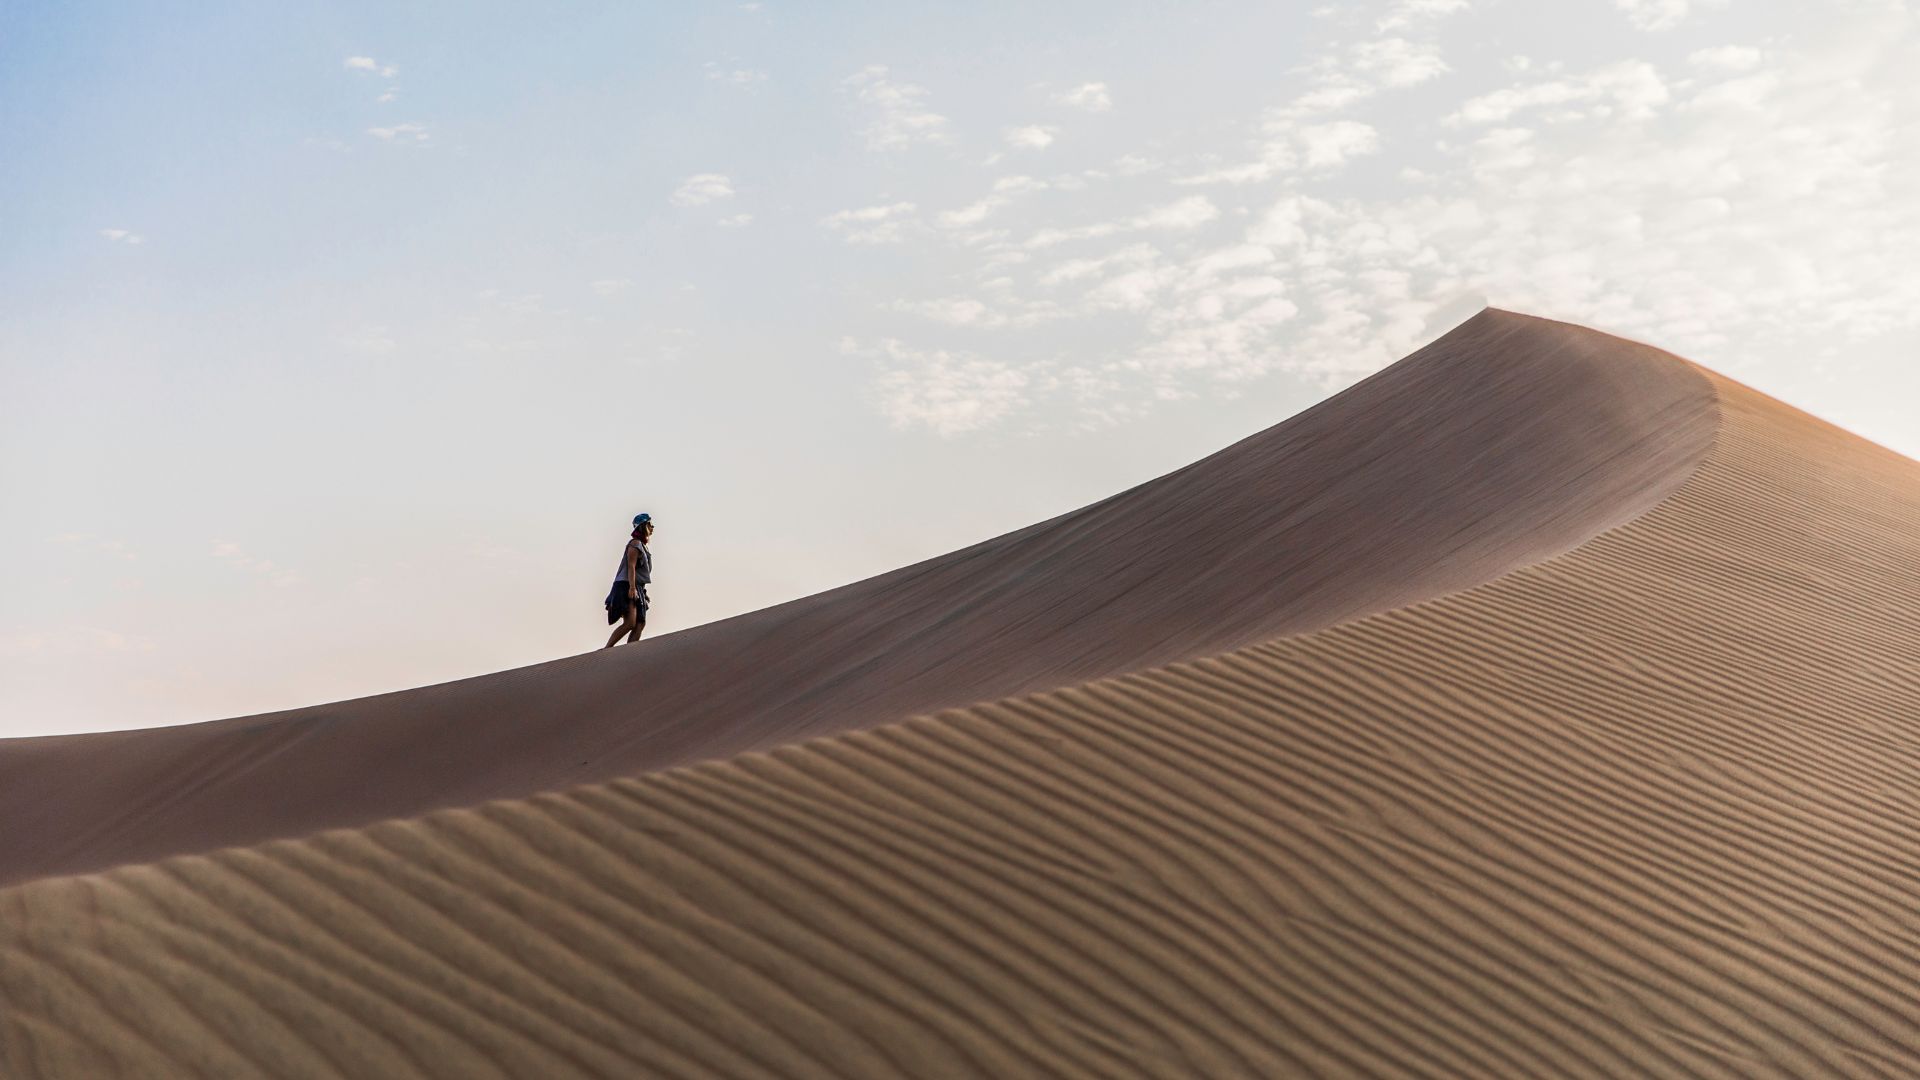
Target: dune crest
1507	441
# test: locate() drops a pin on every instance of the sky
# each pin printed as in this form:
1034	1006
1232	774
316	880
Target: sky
339	343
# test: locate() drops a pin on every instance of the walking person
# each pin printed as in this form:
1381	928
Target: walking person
627	600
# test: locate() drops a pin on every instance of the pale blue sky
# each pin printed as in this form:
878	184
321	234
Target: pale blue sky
337	344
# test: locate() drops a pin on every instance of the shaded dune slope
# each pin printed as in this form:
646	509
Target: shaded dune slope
1643	809
1508	440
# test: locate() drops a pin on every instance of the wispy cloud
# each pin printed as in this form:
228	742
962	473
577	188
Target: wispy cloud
1660	14
998	310
733	76
1031	137
954	310
1631	88
1726	58
1609	194
702	188
1189	212
901	117
408	134
1336	142
883	224
735	221
947	392
1307	133
1181	214
1093	97
367	65
1005	190
1410	14
1398	61
371	66
123	236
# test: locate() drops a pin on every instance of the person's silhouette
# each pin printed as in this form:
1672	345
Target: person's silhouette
627	600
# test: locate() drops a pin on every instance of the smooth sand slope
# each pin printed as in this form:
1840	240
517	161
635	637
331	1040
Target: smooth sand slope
1508	440
1645	808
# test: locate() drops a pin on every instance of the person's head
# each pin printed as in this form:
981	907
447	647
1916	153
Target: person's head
642	526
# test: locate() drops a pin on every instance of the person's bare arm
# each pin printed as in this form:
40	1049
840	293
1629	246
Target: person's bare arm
633	570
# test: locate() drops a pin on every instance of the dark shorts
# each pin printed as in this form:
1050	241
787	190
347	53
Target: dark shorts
617	603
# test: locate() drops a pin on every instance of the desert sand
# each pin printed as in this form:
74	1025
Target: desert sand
1544	706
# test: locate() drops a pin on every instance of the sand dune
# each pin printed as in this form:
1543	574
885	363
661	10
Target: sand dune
1508	440
1638	801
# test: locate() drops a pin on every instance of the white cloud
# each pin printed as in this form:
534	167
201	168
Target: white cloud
733	76
409	134
1408	14
1080	269
949	393
1324	99
1186	213
1276	157
1633	88
1660	14
610	286
1335	143
1030	137
123	236
867	214
971	214
1399	62
1181	214
885	224
1135	165
1745	92
1005	189
1303	133
1001	310
1726	58
1292	146
702	188
956	311
1755	208
1093	97
901	117
735	221
371	66
1758	197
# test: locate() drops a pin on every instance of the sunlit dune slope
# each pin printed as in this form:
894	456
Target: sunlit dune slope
1646	808
1509	440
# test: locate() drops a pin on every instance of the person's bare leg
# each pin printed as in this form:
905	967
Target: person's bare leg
626	626
635	636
